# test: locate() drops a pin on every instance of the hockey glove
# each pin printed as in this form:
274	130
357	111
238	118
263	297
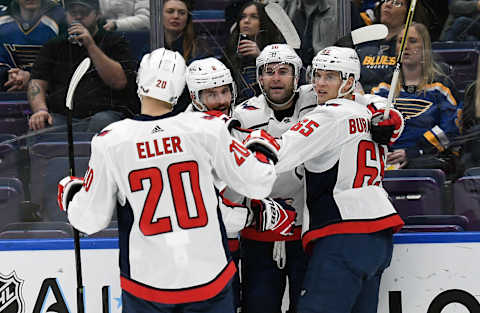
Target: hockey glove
230	122
67	188
274	215
386	131
263	142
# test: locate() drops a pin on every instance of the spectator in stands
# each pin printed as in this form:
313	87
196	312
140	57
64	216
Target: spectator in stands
103	94
24	27
253	31
378	58
463	22
179	32
426	98
125	15
316	24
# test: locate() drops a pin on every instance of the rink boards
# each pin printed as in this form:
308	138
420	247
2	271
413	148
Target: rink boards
430	272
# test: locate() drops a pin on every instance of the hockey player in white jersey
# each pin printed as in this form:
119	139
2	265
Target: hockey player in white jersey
349	220
162	174
211	86
268	258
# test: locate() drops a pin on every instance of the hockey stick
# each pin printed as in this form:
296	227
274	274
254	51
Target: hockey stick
77	75
369	33
396	72
284	24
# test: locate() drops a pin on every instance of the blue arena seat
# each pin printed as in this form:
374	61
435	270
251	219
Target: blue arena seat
11	195
430	228
463	63
466	195
56	169
40	155
9	156
414	195
472	171
14	112
437	174
36	230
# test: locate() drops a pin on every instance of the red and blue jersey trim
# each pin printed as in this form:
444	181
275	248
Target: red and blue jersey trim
177	296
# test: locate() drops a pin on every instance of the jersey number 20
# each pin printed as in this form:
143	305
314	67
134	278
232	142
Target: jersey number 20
148	226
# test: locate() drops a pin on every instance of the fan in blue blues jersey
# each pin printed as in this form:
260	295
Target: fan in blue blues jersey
24	27
427	101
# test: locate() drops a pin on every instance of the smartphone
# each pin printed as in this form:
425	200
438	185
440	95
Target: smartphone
240	38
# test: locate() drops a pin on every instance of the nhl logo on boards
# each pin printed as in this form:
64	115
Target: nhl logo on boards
11	299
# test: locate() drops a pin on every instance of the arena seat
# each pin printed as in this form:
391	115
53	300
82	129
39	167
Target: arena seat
40	155
466	195
472	171
437	174
36	230
56	169
463	63
14	112
11	195
414	195
430	228
9	156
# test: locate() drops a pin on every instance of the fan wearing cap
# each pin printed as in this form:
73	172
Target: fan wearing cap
103	95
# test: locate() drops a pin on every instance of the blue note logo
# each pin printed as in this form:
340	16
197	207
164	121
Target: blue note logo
11	299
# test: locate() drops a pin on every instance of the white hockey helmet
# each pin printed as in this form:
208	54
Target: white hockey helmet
343	60
208	73
279	53
162	75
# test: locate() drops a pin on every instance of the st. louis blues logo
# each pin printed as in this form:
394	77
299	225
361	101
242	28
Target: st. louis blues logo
11	299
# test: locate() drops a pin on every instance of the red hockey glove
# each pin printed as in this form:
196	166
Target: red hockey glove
229	121
386	131
263	142
274	215
67	188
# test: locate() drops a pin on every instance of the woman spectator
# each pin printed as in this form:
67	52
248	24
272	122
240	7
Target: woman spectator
425	96
252	32
378	58
179	31
125	15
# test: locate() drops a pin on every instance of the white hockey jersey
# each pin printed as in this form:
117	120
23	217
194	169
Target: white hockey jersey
163	176
255	113
344	169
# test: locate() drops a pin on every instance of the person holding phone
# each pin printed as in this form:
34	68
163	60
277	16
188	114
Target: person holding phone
104	96
252	32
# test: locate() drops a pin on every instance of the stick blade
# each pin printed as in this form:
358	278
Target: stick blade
369	33
281	20
76	77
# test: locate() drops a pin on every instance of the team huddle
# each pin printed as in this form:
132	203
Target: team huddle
295	173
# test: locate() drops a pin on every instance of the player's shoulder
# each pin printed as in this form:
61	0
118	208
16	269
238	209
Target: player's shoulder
341	108
252	112
307	99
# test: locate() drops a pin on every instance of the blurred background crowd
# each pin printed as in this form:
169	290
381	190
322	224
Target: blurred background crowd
433	166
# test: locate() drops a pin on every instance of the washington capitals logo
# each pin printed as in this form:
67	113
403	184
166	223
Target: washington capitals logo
103	133
248	107
11	299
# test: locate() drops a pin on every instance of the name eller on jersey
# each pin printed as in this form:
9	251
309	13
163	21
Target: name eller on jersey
158	147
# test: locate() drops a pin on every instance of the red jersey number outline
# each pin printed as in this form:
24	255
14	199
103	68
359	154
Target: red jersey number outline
147	225
305	127
377	157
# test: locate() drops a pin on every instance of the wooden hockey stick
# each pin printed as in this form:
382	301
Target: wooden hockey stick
77	76
284	24
396	72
